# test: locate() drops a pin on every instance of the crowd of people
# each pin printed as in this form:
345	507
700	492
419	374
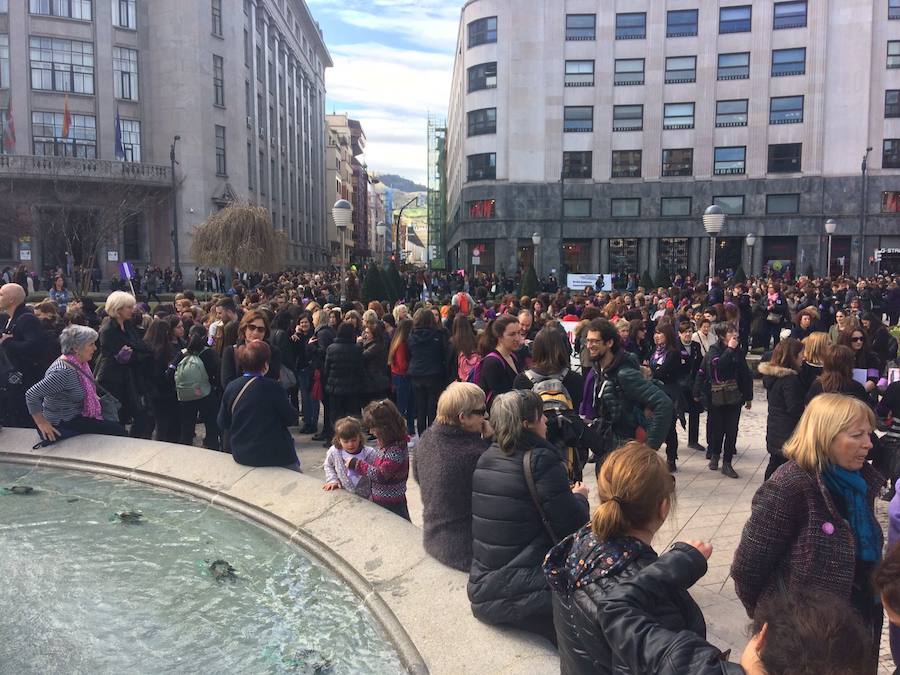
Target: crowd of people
500	404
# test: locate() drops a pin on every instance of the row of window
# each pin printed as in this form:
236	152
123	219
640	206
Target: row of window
630	207
679	23
47	136
124	14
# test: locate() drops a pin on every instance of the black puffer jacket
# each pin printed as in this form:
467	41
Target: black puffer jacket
787	401
343	367
378	381
509	541
582	571
427	353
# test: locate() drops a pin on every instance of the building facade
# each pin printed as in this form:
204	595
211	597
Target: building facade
104	94
609	127
354	186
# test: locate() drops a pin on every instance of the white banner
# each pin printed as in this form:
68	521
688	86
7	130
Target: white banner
578	282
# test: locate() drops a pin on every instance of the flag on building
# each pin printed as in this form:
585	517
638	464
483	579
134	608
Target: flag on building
120	149
9	127
67	118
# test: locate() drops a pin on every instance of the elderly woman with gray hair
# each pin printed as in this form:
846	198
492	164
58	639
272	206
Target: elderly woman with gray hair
522	504
66	401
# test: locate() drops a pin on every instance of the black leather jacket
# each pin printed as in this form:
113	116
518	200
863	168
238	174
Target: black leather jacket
582	571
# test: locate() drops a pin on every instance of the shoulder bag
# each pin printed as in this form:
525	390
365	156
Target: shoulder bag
109	404
723	393
241	393
532	489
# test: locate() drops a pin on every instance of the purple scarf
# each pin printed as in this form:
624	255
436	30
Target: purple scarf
91	408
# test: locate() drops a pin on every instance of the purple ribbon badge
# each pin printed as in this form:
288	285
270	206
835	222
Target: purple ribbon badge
828	528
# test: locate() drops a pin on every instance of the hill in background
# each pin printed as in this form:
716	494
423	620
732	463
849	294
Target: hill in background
400	183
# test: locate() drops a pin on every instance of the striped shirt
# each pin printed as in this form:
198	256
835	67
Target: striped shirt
59	395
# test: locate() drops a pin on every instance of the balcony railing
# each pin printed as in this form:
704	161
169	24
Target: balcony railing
74	168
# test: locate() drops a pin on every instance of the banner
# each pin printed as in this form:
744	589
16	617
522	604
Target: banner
578	282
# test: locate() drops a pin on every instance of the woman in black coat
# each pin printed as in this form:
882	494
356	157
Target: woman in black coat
787	398
375	347
509	537
669	367
635	490
343	369
427	371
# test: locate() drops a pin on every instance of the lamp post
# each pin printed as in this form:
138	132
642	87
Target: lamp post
863	210
342	212
397	240
536	240
381	230
751	242
713	220
830	227
174	204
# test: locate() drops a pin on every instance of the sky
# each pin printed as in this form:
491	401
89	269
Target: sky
393	61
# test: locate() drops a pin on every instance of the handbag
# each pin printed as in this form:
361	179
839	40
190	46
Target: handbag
315	391
532	488
773	318
724	393
9	374
109	404
287	378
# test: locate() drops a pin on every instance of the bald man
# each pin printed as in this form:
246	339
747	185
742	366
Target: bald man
22	340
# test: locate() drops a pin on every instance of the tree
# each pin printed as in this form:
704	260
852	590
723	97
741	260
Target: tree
529	282
240	236
374	287
739	275
646	281
393	283
663	280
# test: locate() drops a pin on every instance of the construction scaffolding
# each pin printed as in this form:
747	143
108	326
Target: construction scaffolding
437	192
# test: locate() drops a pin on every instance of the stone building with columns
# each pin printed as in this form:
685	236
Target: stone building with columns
240	85
609	127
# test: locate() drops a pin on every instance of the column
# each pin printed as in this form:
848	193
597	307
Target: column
604	256
694	246
653	261
595	256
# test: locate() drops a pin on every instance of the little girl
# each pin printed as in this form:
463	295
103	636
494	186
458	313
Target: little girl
389	469
348	442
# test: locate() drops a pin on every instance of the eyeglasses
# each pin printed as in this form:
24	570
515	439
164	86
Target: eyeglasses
479	412
857	339
592	342
258	329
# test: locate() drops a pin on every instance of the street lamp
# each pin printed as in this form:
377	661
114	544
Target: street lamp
864	185
174	203
536	240
713	221
342	212
751	242
380	230
830	227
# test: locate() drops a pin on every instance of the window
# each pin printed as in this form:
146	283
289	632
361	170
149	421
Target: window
625	208
681	23
483	76
581	26
579	74
251	168
221	167
131	140
62	65
731	113
735	19
623	255
681	69
578	118
125	73
4	8
786	110
631	26
261	115
734	66
131	236
218	80
890	156
678	116
788	62
576	208
733	205
783	203
216	8
483	121
4	61
260	64
673	255
890	202
629	71
577	164
263	179
47	138
893	54
789	15
675	206
678	162
482	166
247	48
628	117
785	157
3	149
894	9
482	31
70	9
626	164
730	160
124	15
892	103
482	209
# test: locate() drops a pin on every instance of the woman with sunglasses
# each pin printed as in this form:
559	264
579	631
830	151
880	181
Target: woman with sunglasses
864	357
254	326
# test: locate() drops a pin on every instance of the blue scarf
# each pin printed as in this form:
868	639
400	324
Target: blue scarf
850	488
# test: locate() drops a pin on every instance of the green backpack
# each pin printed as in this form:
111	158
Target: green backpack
191	379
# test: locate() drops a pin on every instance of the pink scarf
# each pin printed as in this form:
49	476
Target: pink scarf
91	408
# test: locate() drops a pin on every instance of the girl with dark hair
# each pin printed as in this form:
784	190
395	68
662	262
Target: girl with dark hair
463	349
375	346
343	368
499	366
786	393
550	350
837	375
389	470
163	401
427	365
879	338
864	358
669	367
398	360
206	407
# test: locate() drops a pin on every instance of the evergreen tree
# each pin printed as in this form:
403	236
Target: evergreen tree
646	281
739	275
663	279
393	283
529	283
374	287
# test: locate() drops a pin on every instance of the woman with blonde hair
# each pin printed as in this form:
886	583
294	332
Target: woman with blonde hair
636	494
813	522
815	346
446	455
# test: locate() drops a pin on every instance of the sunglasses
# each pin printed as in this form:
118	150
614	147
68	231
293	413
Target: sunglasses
478	411
258	329
857	339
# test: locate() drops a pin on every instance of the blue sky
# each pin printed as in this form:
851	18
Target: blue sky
392	66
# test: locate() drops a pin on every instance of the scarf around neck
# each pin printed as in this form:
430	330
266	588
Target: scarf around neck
850	488
91	407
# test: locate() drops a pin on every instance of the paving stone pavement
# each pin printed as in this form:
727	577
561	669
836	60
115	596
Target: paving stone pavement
709	507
